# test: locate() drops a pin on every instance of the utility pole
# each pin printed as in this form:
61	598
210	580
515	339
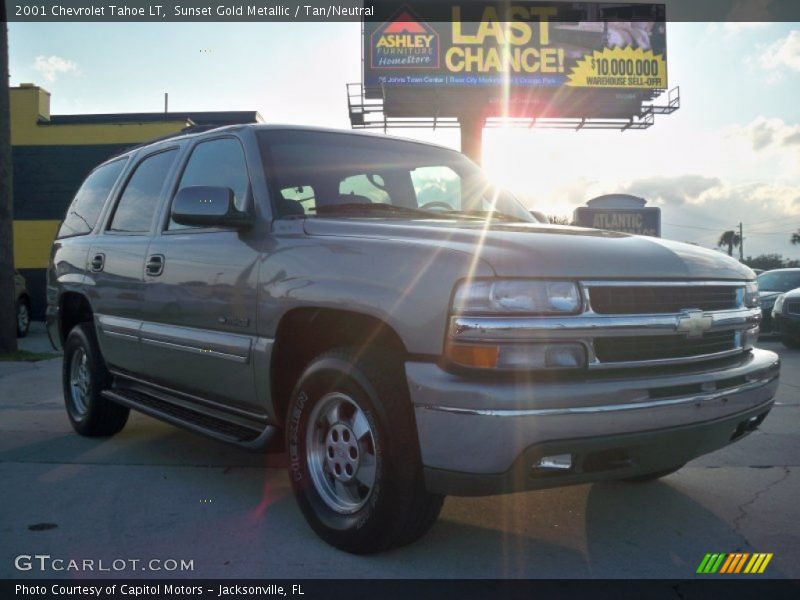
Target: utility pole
741	243
8	310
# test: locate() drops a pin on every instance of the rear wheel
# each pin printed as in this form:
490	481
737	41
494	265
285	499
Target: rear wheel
648	477
354	457
85	377
23	317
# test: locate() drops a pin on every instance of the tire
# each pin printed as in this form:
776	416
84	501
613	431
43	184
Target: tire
354	459
793	343
84	376
648	477
23	317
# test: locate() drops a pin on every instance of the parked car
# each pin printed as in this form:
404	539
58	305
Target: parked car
772	284
786	318
413	331
23	305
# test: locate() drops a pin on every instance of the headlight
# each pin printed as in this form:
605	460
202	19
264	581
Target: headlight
751	294
516	296
777	308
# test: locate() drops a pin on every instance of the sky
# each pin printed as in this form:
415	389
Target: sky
731	153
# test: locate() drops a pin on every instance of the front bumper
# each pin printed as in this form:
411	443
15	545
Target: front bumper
481	437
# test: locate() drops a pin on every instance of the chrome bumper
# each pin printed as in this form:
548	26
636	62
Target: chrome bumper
481	427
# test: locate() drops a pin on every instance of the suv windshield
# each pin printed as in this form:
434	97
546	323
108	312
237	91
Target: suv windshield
779	281
316	173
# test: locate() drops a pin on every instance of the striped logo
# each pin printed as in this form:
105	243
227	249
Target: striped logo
738	562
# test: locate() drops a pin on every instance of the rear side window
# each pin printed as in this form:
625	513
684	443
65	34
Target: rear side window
85	208
139	201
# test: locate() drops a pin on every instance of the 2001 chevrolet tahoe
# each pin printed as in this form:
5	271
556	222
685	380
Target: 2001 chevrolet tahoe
412	330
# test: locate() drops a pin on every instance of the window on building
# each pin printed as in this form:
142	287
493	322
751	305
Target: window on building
139	201
85	209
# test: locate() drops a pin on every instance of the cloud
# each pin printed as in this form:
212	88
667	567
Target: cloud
765	134
672	190
781	56
52	66
733	28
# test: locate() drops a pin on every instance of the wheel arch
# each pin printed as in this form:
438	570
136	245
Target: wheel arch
304	333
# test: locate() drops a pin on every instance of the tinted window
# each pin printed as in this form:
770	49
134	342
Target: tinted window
217	163
85	208
779	281
354	175
139	201
299	199
438	185
369	187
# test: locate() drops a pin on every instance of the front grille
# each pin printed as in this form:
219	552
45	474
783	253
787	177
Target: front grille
655	299
793	307
641	348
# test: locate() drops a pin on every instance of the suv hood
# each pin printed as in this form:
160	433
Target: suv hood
537	250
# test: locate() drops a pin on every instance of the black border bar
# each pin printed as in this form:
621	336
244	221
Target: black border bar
200	11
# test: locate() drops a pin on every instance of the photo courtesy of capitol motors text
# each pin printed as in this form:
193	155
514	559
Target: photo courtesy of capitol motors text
156	590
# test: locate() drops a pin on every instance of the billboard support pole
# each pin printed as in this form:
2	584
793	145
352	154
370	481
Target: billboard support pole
471	125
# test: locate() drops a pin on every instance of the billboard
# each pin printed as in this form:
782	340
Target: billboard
639	221
507	48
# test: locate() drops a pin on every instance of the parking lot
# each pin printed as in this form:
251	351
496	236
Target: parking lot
157	492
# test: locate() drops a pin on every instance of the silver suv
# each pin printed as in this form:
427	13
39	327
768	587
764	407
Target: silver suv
411	330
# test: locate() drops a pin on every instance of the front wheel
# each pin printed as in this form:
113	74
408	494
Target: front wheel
354	458
791	342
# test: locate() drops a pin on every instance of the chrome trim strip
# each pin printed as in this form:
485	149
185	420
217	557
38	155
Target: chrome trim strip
229	346
124	336
545	412
595	364
576	327
638	283
194	350
119	326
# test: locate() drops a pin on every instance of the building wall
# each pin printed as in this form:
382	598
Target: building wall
50	161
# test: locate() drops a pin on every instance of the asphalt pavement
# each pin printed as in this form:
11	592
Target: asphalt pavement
155	492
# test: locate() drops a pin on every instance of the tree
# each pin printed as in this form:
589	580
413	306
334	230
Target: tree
730	239
796	237
8	309
559	220
765	261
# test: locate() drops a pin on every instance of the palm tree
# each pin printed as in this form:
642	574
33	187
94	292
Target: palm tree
730	239
796	237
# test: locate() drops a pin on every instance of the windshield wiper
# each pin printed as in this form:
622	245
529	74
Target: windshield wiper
355	207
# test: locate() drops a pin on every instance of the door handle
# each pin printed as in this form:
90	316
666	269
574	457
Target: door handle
98	262
155	265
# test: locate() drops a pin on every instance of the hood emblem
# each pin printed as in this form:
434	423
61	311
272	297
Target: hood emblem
693	323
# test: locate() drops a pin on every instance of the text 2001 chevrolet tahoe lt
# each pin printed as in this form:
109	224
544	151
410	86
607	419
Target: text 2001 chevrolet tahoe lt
412	331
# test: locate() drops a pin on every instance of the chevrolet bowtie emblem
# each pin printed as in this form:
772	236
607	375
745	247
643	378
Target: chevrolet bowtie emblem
693	323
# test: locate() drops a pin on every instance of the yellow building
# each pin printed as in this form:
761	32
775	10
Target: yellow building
52	154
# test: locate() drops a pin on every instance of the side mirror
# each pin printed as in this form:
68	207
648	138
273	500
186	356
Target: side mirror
207	206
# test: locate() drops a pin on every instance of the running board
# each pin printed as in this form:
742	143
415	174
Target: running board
254	437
